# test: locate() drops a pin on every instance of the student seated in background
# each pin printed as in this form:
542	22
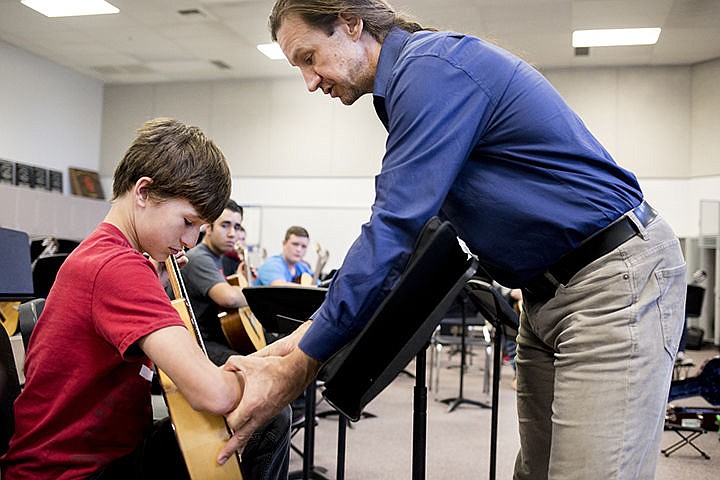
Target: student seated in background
85	411
235	261
209	291
288	267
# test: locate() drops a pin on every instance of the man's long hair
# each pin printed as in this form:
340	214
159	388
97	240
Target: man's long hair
377	15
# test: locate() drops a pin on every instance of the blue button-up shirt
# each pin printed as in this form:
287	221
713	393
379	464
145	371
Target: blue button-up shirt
480	138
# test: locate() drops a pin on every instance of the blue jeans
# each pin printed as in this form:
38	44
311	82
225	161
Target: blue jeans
594	363
266	457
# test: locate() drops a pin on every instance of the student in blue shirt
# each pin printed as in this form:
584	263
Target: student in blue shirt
480	138
288	266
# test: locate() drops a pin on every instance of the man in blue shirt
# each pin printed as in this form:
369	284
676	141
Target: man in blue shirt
479	137
289	266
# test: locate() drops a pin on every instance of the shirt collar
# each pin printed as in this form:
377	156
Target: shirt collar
389	53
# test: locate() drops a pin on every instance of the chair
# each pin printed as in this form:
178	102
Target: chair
44	271
28	314
689	423
9	390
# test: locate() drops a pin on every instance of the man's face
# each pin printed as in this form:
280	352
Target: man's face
224	232
336	64
294	249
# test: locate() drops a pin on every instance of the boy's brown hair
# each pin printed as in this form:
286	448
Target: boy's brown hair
182	163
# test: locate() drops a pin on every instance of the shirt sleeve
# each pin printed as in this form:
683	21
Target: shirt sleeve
434	110
201	274
129	302
272	269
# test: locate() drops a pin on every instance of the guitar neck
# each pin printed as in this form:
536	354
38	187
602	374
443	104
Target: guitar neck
180	292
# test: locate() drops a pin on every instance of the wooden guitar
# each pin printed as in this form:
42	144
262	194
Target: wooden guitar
322	258
9	316
200	435
242	330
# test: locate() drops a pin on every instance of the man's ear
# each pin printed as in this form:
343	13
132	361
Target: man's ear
353	24
141	190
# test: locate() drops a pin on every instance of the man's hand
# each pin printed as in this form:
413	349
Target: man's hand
270	383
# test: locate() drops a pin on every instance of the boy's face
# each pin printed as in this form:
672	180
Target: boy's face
166	227
294	249
225	232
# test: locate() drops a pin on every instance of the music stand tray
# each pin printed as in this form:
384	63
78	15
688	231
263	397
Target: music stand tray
403	323
279	308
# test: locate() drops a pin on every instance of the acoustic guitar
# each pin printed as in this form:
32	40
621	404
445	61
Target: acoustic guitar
9	316
705	385
200	435
242	330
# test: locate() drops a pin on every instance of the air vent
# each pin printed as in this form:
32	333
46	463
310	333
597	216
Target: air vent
220	64
191	11
582	51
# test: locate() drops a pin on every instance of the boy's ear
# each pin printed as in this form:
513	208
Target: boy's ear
141	191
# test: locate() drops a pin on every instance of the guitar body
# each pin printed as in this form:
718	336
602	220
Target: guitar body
706	384
242	330
200	435
9	316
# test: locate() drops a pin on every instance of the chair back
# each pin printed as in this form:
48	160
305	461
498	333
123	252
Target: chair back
402	324
28	314
9	390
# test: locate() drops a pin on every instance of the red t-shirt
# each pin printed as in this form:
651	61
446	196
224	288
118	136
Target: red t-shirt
86	400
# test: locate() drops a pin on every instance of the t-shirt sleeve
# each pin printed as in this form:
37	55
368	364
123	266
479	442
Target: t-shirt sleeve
129	302
271	270
204	274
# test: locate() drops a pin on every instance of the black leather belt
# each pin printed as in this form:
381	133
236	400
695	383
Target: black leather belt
592	248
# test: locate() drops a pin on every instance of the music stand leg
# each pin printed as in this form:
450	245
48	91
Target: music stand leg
455	402
495	398
309	470
342	434
419	418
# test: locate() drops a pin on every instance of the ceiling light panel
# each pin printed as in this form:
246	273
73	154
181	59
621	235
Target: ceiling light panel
70	8
615	37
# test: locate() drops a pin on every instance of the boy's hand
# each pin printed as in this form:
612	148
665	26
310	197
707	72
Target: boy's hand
163	275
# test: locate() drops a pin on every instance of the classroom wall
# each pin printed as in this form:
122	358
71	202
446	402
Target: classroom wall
50	116
301	158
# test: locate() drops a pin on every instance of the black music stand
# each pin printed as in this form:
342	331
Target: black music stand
15	285
454	402
16	282
399	330
281	309
500	314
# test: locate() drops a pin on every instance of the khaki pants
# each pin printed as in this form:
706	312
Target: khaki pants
594	364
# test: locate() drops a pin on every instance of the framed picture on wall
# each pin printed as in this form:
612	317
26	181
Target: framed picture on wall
39	178
86	183
55	181
24	175
7	171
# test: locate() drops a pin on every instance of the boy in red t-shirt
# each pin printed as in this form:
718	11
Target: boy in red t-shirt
85	411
